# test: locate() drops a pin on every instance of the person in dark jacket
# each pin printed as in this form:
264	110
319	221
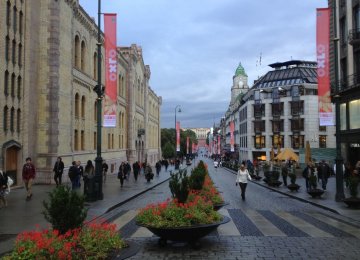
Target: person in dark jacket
122	173
28	175
105	168
136	169
58	171
158	168
323	173
3	187
74	174
309	169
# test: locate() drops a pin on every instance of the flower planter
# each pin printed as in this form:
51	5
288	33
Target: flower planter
274	183
314	193
352	202
184	234
293	187
220	205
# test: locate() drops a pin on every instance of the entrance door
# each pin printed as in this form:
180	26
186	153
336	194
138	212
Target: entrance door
11	162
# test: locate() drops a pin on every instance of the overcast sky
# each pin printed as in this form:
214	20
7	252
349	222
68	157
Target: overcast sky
193	47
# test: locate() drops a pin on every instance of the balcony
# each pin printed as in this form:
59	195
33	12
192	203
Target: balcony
354	36
343	85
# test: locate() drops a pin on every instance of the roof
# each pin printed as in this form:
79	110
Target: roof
240	71
289	73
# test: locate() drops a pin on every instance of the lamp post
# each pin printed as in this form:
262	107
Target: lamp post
178	106
98	194
339	160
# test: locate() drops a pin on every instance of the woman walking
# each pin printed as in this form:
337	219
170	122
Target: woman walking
241	178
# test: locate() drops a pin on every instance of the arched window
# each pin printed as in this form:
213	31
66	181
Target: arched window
18	121
12	118
6	83
119	86
13	85
14	19
21	18
77	101
76	140
7	48
5	118
83	55
19	88
20	54
83	107
8	13
77	52
95	66
13	51
82	137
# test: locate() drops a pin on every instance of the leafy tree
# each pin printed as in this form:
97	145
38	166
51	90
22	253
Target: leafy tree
168	150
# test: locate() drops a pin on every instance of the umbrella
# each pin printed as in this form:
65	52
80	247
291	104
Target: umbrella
287	154
307	152
272	154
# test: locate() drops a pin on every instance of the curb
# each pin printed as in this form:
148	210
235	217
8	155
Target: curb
290	195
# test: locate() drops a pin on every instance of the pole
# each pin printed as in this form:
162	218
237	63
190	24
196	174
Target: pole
339	160
99	90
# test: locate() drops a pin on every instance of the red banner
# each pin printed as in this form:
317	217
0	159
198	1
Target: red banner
178	136
322	53
187	144
110	70
232	141
218	144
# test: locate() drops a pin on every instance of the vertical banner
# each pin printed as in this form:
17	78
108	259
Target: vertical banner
219	144
110	70
232	141
326	116
187	144
192	148
178	136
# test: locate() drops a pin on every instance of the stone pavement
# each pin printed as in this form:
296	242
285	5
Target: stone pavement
22	215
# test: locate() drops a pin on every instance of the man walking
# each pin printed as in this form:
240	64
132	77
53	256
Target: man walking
323	173
136	169
28	175
58	171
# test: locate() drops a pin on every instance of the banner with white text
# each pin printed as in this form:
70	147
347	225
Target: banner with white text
110	70
326	116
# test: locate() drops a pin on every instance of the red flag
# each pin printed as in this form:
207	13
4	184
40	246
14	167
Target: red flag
110	70
322	52
232	141
178	136
218	144
187	144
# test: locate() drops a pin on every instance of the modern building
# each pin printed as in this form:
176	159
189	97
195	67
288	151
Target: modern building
49	68
279	110
345	73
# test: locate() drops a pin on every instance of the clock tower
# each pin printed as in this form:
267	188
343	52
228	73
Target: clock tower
240	83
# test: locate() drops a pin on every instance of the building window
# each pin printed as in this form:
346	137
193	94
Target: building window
297	141
18	121
13	56
297	124
20	54
82	140
12	119
259	126
354	114
343	116
5	118
76	140
6	83
259	110
343	31
14	19
77	101
83	55
278	141
297	108
112	141
19	84
259	141
76	52
83	107
277	109
322	128
322	141
7	48
278	126
8	13
13	85
21	18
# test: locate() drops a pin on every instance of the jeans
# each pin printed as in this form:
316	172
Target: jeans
323	183
243	189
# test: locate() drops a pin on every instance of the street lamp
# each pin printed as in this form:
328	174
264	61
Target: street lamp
178	109
97	191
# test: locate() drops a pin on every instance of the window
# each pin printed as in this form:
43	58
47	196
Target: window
297	124
297	141
7	48
6	83
21	18
8	13
343	35
12	118
83	56
277	109
20	54
259	141
13	85
278	141
95	111
354	114
13	56
19	83
297	108
356	15
109	142
5	118
278	126
343	116
18	121
76	52
76	140
343	71
14	19
82	140
83	107
259	126
77	101
322	141
322	128
259	110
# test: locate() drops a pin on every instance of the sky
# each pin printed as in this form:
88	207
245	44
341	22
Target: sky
193	47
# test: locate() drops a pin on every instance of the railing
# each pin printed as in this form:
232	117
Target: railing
350	82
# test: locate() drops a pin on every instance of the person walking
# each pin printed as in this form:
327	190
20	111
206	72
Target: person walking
127	170
307	172
166	163
158	168
3	188
74	174
241	179
105	168
323	173
28	175
284	173
136	169
58	171
122	173
80	174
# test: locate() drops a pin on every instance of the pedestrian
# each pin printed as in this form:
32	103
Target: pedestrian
3	188
136	169
122	173
241	179
347	173
58	171
105	168
284	173
127	170
166	163
28	175
158	168
74	174
80	174
89	170
307	172
323	173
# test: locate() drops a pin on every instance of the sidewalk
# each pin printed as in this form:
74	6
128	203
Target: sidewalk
22	215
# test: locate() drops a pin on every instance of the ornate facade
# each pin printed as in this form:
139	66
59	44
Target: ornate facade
49	66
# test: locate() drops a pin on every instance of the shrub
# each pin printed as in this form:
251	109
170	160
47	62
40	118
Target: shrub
65	210
313	181
179	185
292	177
197	177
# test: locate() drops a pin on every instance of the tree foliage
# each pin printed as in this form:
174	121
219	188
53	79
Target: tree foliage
168	139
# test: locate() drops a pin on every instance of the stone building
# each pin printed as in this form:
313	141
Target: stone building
49	66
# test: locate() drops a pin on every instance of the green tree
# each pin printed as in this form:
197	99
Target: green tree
168	150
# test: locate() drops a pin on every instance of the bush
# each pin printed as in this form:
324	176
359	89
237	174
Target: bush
179	185
292	178
65	210
197	177
313	181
